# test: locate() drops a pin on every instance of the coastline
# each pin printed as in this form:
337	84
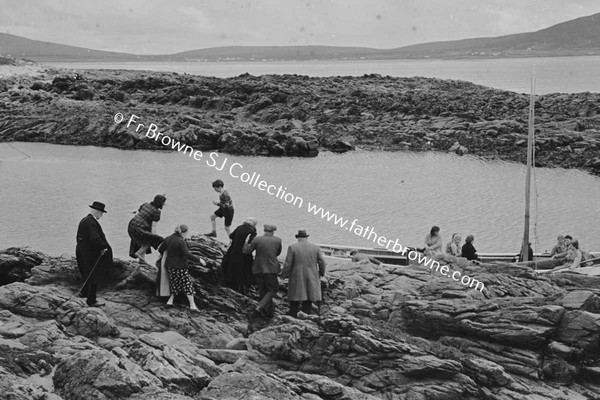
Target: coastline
381	332
293	115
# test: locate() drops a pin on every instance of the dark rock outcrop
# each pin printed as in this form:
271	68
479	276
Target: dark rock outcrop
292	115
383	332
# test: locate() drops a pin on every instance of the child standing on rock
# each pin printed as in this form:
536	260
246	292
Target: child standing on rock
225	209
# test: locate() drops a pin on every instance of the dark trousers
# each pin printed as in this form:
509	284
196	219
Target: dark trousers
89	291
295	307
267	288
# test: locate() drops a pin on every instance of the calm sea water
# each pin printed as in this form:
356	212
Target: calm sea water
553	74
401	195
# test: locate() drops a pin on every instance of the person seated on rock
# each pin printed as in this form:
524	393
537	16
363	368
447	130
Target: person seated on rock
559	247
468	251
453	247
572	259
358	257
433	243
176	264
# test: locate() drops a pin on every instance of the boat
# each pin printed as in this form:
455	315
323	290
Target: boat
592	267
340	253
337	253
587	266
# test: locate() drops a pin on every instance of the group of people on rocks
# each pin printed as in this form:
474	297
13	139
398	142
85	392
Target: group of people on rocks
304	263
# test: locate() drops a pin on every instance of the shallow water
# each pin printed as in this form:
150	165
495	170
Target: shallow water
553	74
400	195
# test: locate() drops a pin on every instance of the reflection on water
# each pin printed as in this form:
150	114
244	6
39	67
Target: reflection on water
399	194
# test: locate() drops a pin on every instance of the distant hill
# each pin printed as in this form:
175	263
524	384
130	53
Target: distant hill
580	36
20	47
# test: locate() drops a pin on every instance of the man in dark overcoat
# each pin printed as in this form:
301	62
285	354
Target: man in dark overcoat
94	254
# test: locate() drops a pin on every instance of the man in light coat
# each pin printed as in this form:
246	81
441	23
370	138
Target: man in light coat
300	266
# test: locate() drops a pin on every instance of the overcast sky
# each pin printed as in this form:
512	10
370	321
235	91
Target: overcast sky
160	26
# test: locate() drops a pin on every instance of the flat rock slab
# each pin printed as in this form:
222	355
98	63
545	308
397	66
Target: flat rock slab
580	300
224	356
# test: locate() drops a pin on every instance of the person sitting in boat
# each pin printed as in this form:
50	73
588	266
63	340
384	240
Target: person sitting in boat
562	255
558	261
468	251
433	243
358	257
572	259
560	246
453	247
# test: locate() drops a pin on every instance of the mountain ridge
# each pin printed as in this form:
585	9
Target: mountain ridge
570	38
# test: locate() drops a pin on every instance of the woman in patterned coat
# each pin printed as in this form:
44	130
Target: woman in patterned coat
140	228
176	263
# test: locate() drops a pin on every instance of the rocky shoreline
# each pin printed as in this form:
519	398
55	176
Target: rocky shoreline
382	333
292	115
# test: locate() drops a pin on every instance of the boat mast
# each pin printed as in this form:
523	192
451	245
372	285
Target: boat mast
525	248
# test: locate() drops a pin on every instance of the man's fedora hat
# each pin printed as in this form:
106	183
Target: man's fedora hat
98	206
302	234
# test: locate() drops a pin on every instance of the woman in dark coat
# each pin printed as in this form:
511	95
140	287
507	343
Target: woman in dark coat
93	253
176	263
140	228
468	250
237	266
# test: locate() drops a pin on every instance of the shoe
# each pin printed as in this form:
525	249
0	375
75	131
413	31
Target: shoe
211	234
169	305
96	304
302	315
194	309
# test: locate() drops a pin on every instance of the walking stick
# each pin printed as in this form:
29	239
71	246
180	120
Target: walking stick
93	268
84	282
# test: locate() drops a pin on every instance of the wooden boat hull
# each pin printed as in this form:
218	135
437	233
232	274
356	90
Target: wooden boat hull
340	253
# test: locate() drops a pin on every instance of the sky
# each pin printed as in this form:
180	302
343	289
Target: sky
165	27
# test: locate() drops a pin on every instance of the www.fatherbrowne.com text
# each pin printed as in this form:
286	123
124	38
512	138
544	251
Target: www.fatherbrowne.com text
236	170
